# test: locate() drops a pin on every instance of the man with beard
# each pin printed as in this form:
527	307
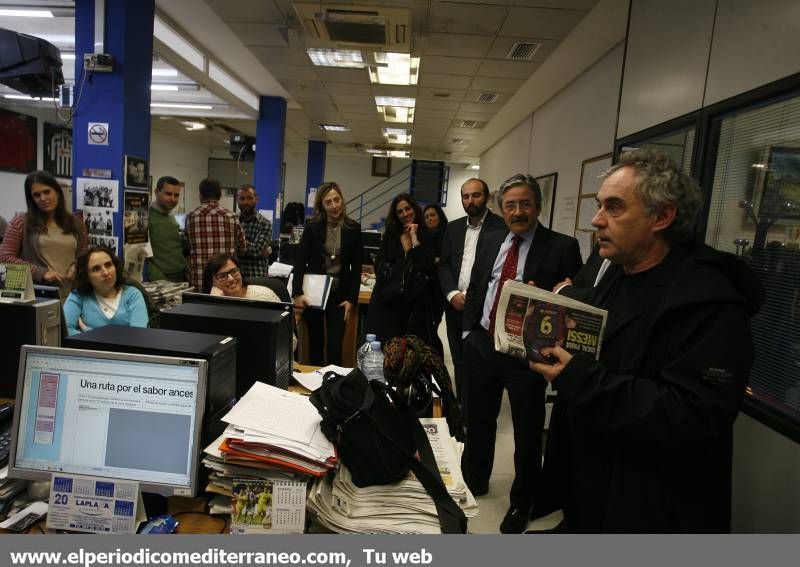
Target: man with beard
460	241
167	262
527	252
253	260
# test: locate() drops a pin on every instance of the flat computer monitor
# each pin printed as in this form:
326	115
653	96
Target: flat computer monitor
194	297
111	415
371	244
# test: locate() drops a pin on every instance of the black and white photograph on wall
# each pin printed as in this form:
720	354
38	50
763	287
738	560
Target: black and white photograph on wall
137	173
109	242
17	142
98	193
136	217
57	150
548	185
98	221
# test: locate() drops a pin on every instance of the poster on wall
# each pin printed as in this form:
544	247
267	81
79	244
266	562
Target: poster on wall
547	183
137	173
109	242
98	193
57	150
99	221
17	142
135	222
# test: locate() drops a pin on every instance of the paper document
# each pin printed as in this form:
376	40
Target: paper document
316	288
278	270
313	380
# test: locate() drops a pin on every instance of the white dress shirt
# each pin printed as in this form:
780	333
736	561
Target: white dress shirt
468	256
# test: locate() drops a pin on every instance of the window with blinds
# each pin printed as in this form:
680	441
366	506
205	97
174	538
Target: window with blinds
678	145
755	213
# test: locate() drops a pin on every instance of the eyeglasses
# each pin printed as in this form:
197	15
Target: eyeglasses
222	276
523	205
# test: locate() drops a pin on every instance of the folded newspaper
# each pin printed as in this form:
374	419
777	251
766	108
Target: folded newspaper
529	319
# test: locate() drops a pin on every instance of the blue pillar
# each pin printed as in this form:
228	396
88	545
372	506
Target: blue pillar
315	170
268	169
120	99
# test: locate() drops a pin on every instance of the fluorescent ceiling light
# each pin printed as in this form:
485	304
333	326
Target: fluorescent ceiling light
163	87
181	105
233	86
27	13
165	72
335	127
397	135
351	58
178	43
375	151
397	114
398	153
474	166
26	97
394	69
395	101
191	126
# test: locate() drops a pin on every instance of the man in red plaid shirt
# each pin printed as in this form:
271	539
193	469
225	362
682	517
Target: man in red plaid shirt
210	230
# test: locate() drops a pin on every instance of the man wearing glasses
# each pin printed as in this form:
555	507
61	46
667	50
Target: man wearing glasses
530	253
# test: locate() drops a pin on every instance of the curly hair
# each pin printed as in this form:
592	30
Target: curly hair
393	224
660	182
83	284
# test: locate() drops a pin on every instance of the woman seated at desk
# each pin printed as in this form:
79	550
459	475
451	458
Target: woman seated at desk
222	276
100	297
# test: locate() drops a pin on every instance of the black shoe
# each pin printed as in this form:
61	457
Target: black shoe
477	489
515	522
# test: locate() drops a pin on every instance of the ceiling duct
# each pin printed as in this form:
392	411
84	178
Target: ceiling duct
522	51
336	25
486	98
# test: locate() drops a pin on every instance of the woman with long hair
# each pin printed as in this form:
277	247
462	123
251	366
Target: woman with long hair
404	269
100	296
435	225
47	237
330	245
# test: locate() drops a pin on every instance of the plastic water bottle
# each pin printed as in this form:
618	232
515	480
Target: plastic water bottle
363	350
373	363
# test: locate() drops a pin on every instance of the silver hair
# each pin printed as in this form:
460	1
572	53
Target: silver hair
521	179
660	182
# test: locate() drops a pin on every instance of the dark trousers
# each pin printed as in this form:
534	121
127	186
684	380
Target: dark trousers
453	322
327	337
487	373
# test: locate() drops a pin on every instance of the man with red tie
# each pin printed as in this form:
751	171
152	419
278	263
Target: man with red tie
531	253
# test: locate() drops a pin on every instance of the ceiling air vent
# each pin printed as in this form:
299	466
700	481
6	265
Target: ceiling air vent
458	141
522	51
441	95
333	25
468	124
486	98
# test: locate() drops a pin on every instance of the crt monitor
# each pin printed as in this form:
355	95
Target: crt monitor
119	416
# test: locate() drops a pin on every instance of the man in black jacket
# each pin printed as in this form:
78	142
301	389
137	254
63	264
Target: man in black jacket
460	242
645	440
527	252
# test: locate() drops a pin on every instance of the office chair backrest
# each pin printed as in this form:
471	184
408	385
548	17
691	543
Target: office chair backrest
275	284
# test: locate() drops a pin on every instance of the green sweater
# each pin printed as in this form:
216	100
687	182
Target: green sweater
167	262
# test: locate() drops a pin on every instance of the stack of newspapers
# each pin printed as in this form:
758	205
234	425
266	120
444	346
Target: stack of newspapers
399	508
282	443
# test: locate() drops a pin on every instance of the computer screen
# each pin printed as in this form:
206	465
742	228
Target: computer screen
121	416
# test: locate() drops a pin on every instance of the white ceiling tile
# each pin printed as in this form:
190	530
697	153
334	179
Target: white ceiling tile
456	95
246	10
562	4
436	104
348	88
495	84
339	75
449	44
491	110
449	65
502	45
507	69
446	81
477	107
293	72
424	113
280	56
541	22
447	17
395	90
349	99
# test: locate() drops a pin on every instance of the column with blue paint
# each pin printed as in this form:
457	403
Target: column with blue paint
120	99
315	170
268	168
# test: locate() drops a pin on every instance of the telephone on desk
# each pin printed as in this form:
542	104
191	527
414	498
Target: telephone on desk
6	415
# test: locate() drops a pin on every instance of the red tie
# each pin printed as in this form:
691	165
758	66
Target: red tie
509	272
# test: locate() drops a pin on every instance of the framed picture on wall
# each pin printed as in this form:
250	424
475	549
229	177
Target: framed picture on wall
381	166
137	173
57	150
547	183
17	142
592	170
777	191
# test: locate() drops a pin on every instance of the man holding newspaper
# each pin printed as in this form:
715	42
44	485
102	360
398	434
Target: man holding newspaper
526	252
641	439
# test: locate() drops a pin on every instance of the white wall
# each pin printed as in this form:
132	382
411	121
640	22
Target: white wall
509	155
183	161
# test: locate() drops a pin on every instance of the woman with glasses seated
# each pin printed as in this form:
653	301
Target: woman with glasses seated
100	297
222	276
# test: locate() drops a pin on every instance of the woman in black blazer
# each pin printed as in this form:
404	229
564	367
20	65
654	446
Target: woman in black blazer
331	244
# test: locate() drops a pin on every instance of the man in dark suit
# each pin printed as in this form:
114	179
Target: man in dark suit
458	256
526	252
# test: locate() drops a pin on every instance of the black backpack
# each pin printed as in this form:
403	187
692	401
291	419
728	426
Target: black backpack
380	440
